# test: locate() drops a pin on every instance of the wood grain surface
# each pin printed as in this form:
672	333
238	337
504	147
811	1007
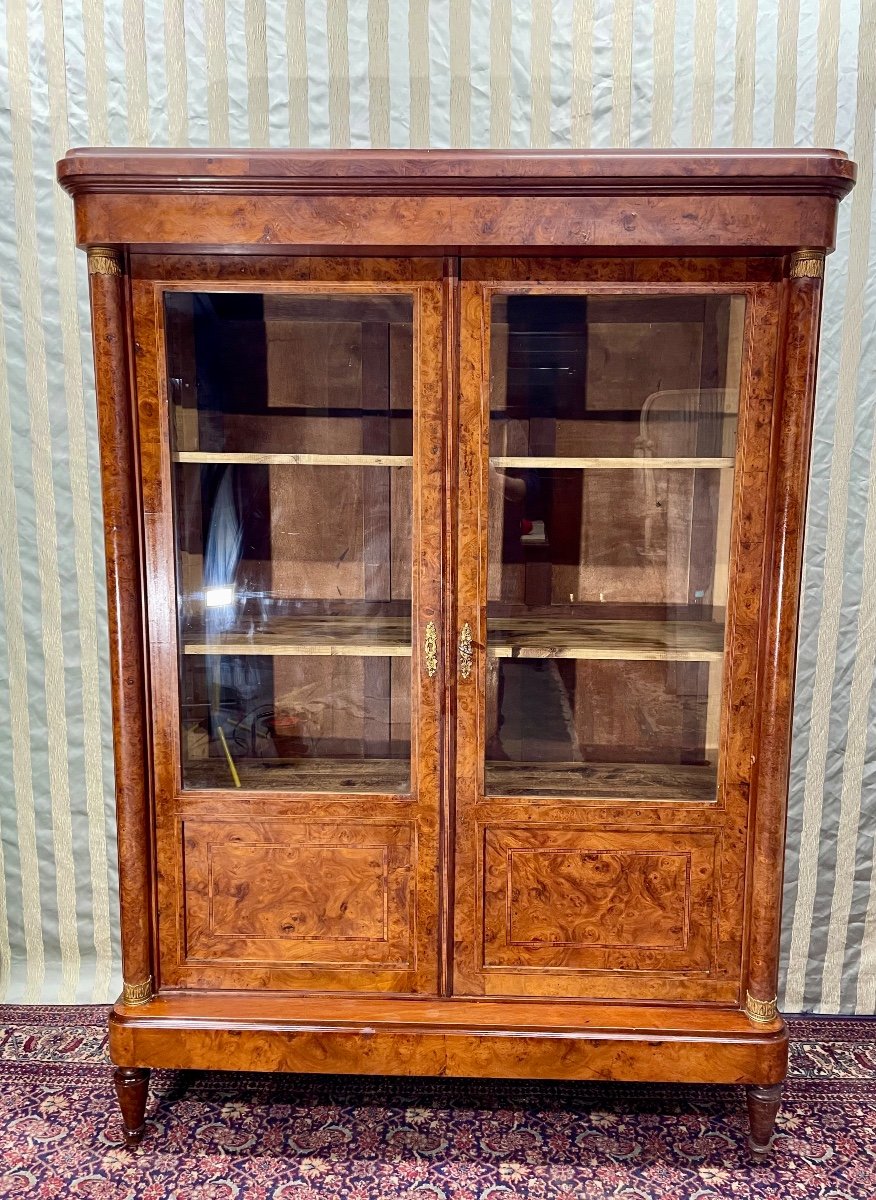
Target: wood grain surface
598	899
508	637
110	326
546	637
446	200
362	635
333	894
570	463
293	459
452	171
609	782
789	474
334	776
449	1037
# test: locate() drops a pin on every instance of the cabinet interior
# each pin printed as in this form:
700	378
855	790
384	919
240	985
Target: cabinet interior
611	424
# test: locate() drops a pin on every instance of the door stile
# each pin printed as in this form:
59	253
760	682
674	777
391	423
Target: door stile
471	593
450	490
428	678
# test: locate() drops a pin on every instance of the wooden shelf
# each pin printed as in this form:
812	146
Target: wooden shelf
562	780
601	416
378	775
524	637
602	781
613	464
670	641
360	637
295	460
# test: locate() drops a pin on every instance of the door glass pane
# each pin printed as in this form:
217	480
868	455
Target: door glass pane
612	446
292	431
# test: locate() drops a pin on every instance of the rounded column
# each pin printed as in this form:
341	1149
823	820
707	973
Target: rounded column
118	463
792	430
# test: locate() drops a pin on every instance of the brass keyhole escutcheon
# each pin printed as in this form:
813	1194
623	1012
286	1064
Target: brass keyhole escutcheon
430	649
465	651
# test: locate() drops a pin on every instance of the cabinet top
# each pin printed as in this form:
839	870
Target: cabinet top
443	172
450	201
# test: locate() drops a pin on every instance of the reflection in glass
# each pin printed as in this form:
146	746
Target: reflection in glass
612	440
292	425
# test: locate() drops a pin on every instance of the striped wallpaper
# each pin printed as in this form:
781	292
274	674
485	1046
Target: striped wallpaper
402	73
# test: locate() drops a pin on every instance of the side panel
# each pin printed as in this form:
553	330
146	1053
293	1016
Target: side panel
790	473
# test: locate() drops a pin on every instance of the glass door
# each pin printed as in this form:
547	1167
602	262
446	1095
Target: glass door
612	441
292	429
298	692
600	434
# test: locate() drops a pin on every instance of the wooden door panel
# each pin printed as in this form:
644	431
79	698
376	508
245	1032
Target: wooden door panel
605	725
315	893
595	899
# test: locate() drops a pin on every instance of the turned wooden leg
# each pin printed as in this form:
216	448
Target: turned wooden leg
132	1088
763	1107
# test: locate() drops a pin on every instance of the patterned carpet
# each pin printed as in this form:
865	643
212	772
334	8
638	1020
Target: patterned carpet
224	1136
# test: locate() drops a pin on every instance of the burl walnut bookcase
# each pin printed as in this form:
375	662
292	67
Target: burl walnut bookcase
454	508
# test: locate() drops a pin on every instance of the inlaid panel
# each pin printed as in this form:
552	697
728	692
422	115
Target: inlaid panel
597	898
590	899
336	894
314	893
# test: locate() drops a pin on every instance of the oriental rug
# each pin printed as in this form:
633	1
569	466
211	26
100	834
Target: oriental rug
224	1136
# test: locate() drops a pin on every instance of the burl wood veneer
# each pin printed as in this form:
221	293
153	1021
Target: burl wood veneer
516	446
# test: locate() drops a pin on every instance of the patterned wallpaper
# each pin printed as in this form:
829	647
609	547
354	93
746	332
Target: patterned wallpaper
399	73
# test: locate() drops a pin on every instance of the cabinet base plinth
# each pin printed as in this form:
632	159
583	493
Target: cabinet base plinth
462	1038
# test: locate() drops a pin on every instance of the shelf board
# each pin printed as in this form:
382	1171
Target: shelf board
630	416
296	460
381	776
602	781
391	776
669	641
613	464
254	458
359	637
524	637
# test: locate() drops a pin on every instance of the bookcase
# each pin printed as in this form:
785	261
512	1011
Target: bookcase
454	508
